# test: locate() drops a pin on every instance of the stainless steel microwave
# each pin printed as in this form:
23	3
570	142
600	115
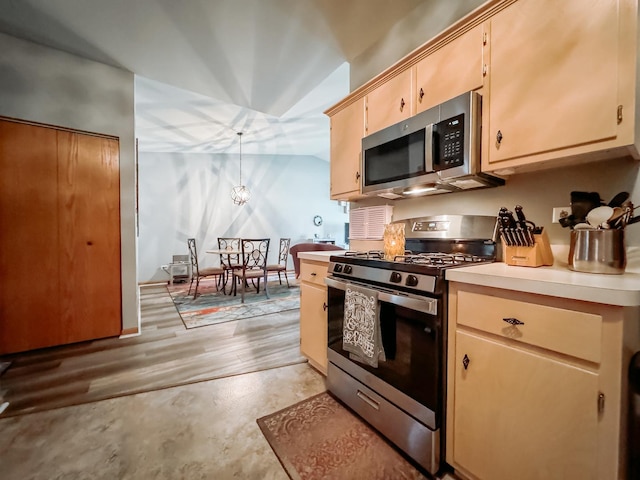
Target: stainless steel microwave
435	151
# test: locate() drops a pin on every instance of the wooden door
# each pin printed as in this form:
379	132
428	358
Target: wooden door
452	70
90	273
553	80
390	103
313	325
347	130
29	238
60	240
522	415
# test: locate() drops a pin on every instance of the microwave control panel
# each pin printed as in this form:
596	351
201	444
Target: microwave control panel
449	143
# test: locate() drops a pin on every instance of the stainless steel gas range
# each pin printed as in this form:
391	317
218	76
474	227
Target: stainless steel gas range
403	395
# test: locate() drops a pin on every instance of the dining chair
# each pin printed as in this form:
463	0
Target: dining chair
283	257
229	262
196	272
254	265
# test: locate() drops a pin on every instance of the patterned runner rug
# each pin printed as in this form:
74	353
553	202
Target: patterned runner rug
319	438
212	306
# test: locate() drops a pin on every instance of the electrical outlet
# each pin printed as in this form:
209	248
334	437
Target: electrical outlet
560	212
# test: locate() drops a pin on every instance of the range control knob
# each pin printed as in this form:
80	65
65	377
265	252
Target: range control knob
337	267
348	269
412	281
395	277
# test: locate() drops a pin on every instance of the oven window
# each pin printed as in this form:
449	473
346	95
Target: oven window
411	343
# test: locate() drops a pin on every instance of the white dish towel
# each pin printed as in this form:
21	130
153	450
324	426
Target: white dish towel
361	333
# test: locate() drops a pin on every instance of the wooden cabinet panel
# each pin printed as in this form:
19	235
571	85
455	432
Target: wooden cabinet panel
60	243
347	130
313	325
452	70
522	415
28	234
313	272
390	103
553	77
574	333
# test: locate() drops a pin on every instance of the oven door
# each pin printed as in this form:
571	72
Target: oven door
411	375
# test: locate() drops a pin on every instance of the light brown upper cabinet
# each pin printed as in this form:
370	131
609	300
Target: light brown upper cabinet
347	130
450	71
390	103
559	80
60	243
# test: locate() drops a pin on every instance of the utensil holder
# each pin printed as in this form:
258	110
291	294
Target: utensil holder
598	251
535	256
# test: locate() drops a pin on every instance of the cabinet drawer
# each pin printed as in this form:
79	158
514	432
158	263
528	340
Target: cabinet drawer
565	331
313	272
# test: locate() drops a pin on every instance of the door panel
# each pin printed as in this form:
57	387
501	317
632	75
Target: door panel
28	237
89	236
60	242
522	415
552	76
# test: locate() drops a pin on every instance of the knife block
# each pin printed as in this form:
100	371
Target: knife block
536	256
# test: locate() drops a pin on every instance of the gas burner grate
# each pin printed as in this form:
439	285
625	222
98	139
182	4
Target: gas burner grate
371	254
440	259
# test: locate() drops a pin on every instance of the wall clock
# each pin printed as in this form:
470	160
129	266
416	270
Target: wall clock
317	220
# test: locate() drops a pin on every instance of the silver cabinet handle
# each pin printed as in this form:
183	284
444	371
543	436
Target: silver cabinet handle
512	321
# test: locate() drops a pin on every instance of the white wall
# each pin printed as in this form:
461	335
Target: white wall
188	195
44	85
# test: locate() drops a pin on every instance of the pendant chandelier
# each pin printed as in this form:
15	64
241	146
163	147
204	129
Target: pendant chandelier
240	194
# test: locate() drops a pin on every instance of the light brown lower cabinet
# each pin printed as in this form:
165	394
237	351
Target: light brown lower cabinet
60	242
313	313
537	385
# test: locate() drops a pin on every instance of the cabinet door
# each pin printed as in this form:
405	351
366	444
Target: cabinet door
452	70
347	130
522	415
389	103
313	325
89	193
553	77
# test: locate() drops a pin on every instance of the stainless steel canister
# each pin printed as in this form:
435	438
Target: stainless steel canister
598	251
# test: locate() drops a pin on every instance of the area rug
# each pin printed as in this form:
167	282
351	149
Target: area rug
212	306
319	438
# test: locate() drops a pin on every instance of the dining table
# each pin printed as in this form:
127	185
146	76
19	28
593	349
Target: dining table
228	252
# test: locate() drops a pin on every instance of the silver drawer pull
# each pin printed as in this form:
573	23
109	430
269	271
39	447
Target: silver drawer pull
368	400
513	321
313	274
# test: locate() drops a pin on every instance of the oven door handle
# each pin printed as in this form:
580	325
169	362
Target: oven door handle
420	304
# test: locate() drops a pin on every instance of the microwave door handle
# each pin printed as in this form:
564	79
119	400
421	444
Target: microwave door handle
428	148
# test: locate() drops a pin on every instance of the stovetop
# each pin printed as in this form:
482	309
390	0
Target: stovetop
419	273
433	245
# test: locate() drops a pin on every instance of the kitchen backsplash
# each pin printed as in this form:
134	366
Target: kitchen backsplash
537	192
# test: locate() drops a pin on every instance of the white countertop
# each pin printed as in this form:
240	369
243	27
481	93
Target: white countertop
320	255
558	281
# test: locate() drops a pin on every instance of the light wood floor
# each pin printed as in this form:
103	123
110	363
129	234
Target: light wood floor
165	354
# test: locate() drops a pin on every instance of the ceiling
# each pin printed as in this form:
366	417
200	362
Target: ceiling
206	69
